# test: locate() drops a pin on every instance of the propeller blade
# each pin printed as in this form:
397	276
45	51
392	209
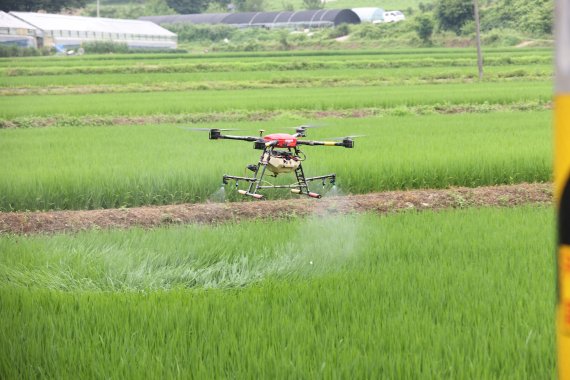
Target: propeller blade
195	129
342	138
309	126
208	129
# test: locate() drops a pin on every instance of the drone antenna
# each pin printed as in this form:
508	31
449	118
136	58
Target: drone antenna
261	132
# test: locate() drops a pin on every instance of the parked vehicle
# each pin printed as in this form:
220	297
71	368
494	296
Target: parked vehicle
393	16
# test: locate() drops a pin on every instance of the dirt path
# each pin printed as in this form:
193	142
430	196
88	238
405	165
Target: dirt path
393	201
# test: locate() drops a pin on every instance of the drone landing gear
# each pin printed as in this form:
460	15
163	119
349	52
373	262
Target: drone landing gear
300	187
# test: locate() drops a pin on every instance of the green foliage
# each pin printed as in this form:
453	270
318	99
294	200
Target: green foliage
287	6
18	51
104	47
131	10
40	5
116	167
157	8
339	31
250	5
424	26
531	16
284	39
313	4
453	14
111	166
188	6
209	33
368	31
426	7
414	295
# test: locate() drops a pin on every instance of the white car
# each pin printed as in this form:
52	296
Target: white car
393	16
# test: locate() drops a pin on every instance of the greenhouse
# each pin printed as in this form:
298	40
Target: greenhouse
374	15
284	19
16	32
198	18
67	32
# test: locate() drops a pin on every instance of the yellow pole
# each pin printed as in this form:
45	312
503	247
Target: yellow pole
562	184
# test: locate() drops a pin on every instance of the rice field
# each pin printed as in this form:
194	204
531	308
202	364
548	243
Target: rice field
408	295
126	166
463	293
272	99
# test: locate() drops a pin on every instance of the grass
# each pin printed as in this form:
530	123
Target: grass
300	78
276	65
104	167
276	56
403	296
278	61
342	4
272	99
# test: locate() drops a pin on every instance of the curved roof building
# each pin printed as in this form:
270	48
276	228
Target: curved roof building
16	32
72	31
306	18
197	18
370	14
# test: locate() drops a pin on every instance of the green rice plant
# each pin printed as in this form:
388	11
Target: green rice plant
273	99
459	294
106	167
505	56
266	61
280	65
300	78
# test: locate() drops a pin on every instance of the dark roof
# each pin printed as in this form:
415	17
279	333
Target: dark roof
267	19
198	18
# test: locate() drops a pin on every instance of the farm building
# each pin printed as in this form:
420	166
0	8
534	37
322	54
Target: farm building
16	32
67	32
197	18
369	14
284	19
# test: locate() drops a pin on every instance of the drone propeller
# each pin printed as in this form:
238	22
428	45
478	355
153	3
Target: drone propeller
308	126
343	138
208	129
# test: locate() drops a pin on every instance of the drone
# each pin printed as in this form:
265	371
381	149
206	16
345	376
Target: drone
280	154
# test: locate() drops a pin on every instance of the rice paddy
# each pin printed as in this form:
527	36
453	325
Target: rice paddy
461	293
126	166
410	295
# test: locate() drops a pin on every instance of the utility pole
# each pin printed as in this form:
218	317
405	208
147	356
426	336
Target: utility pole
97	8
478	37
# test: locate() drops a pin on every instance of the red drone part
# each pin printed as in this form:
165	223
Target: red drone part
275	161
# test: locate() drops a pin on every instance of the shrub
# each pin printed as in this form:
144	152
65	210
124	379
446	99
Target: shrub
368	31
18	51
339	31
424	27
100	47
210	33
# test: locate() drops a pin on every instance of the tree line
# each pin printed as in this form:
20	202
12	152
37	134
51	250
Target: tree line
177	6
530	16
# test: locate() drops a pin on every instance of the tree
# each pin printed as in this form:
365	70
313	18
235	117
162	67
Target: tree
249	5
313	4
188	6
39	5
424	27
287	6
453	14
157	8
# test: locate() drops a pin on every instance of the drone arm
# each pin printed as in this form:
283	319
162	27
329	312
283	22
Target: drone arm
241	138
215	134
347	143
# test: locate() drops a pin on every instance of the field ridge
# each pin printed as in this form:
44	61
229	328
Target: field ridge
267	115
386	202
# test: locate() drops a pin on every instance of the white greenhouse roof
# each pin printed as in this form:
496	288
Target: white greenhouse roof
48	22
8	21
369	14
